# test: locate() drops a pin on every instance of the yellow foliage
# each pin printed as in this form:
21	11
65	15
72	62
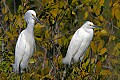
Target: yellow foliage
117	12
86	15
104	32
45	71
101	2
93	46
32	61
101	18
4	10
110	4
118	23
83	73
54	12
6	17
102	51
38	25
19	21
98	67
47	35
105	72
92	60
9	34
100	45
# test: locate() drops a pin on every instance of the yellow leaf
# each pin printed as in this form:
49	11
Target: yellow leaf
87	62
101	18
50	1
93	46
98	67
110	4
3	76
54	12
19	21
38	25
113	12
6	17
50	77
116	3
92	60
98	11
104	32
118	45
86	15
32	61
38	39
102	51
4	10
9	34
117	14
60	59
105	72
60	42
73	12
45	71
100	45
47	35
11	16
101	2
93	1
61	4
118	23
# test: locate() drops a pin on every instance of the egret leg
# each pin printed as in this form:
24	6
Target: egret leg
20	73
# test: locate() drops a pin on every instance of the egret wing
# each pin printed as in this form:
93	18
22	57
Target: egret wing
73	47
19	51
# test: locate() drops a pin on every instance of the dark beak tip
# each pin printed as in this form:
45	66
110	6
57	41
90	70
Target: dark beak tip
100	26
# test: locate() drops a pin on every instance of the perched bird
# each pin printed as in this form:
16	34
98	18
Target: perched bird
79	43
25	44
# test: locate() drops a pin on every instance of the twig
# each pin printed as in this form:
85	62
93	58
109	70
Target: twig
6	5
14	7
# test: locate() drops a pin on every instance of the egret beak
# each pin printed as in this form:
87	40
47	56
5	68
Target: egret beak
95	26
37	19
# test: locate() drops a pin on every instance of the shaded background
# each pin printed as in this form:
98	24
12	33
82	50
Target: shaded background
61	18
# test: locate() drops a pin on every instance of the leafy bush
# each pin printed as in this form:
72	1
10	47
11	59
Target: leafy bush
61	19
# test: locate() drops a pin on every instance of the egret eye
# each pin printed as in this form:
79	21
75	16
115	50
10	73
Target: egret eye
33	15
91	25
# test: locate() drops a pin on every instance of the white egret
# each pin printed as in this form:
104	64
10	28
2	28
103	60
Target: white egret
26	43
79	43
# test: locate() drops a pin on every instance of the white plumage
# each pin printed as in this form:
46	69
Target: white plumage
25	44
79	43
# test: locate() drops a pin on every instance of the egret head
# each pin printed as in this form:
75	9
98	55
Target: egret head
30	17
90	25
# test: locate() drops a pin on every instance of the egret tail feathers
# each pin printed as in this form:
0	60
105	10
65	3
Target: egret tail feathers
66	60
15	68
